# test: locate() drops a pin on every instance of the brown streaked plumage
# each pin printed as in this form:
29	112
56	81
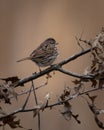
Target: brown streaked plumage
45	54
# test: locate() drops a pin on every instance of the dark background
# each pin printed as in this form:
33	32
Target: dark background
24	24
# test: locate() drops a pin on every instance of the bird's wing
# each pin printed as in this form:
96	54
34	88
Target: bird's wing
38	53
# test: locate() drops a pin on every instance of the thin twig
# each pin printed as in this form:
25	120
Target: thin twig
79	43
27	91
36	100
24	105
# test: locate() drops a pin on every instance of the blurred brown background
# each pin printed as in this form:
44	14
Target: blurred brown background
24	24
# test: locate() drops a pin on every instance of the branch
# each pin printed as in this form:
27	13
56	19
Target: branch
73	57
53	67
74	96
52	105
75	74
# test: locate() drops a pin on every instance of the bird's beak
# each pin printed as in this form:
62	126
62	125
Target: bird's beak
56	43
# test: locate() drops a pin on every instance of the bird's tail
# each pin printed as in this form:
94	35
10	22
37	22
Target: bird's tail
27	58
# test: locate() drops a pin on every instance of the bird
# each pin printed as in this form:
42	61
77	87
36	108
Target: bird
45	54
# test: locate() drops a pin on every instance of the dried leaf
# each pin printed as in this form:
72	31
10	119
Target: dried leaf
12	122
96	112
65	94
67	111
101	83
76	81
6	90
92	98
67	91
12	79
99	123
76	118
94	83
12	92
97	59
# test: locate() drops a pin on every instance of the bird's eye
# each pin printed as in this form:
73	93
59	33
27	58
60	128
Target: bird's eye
52	42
